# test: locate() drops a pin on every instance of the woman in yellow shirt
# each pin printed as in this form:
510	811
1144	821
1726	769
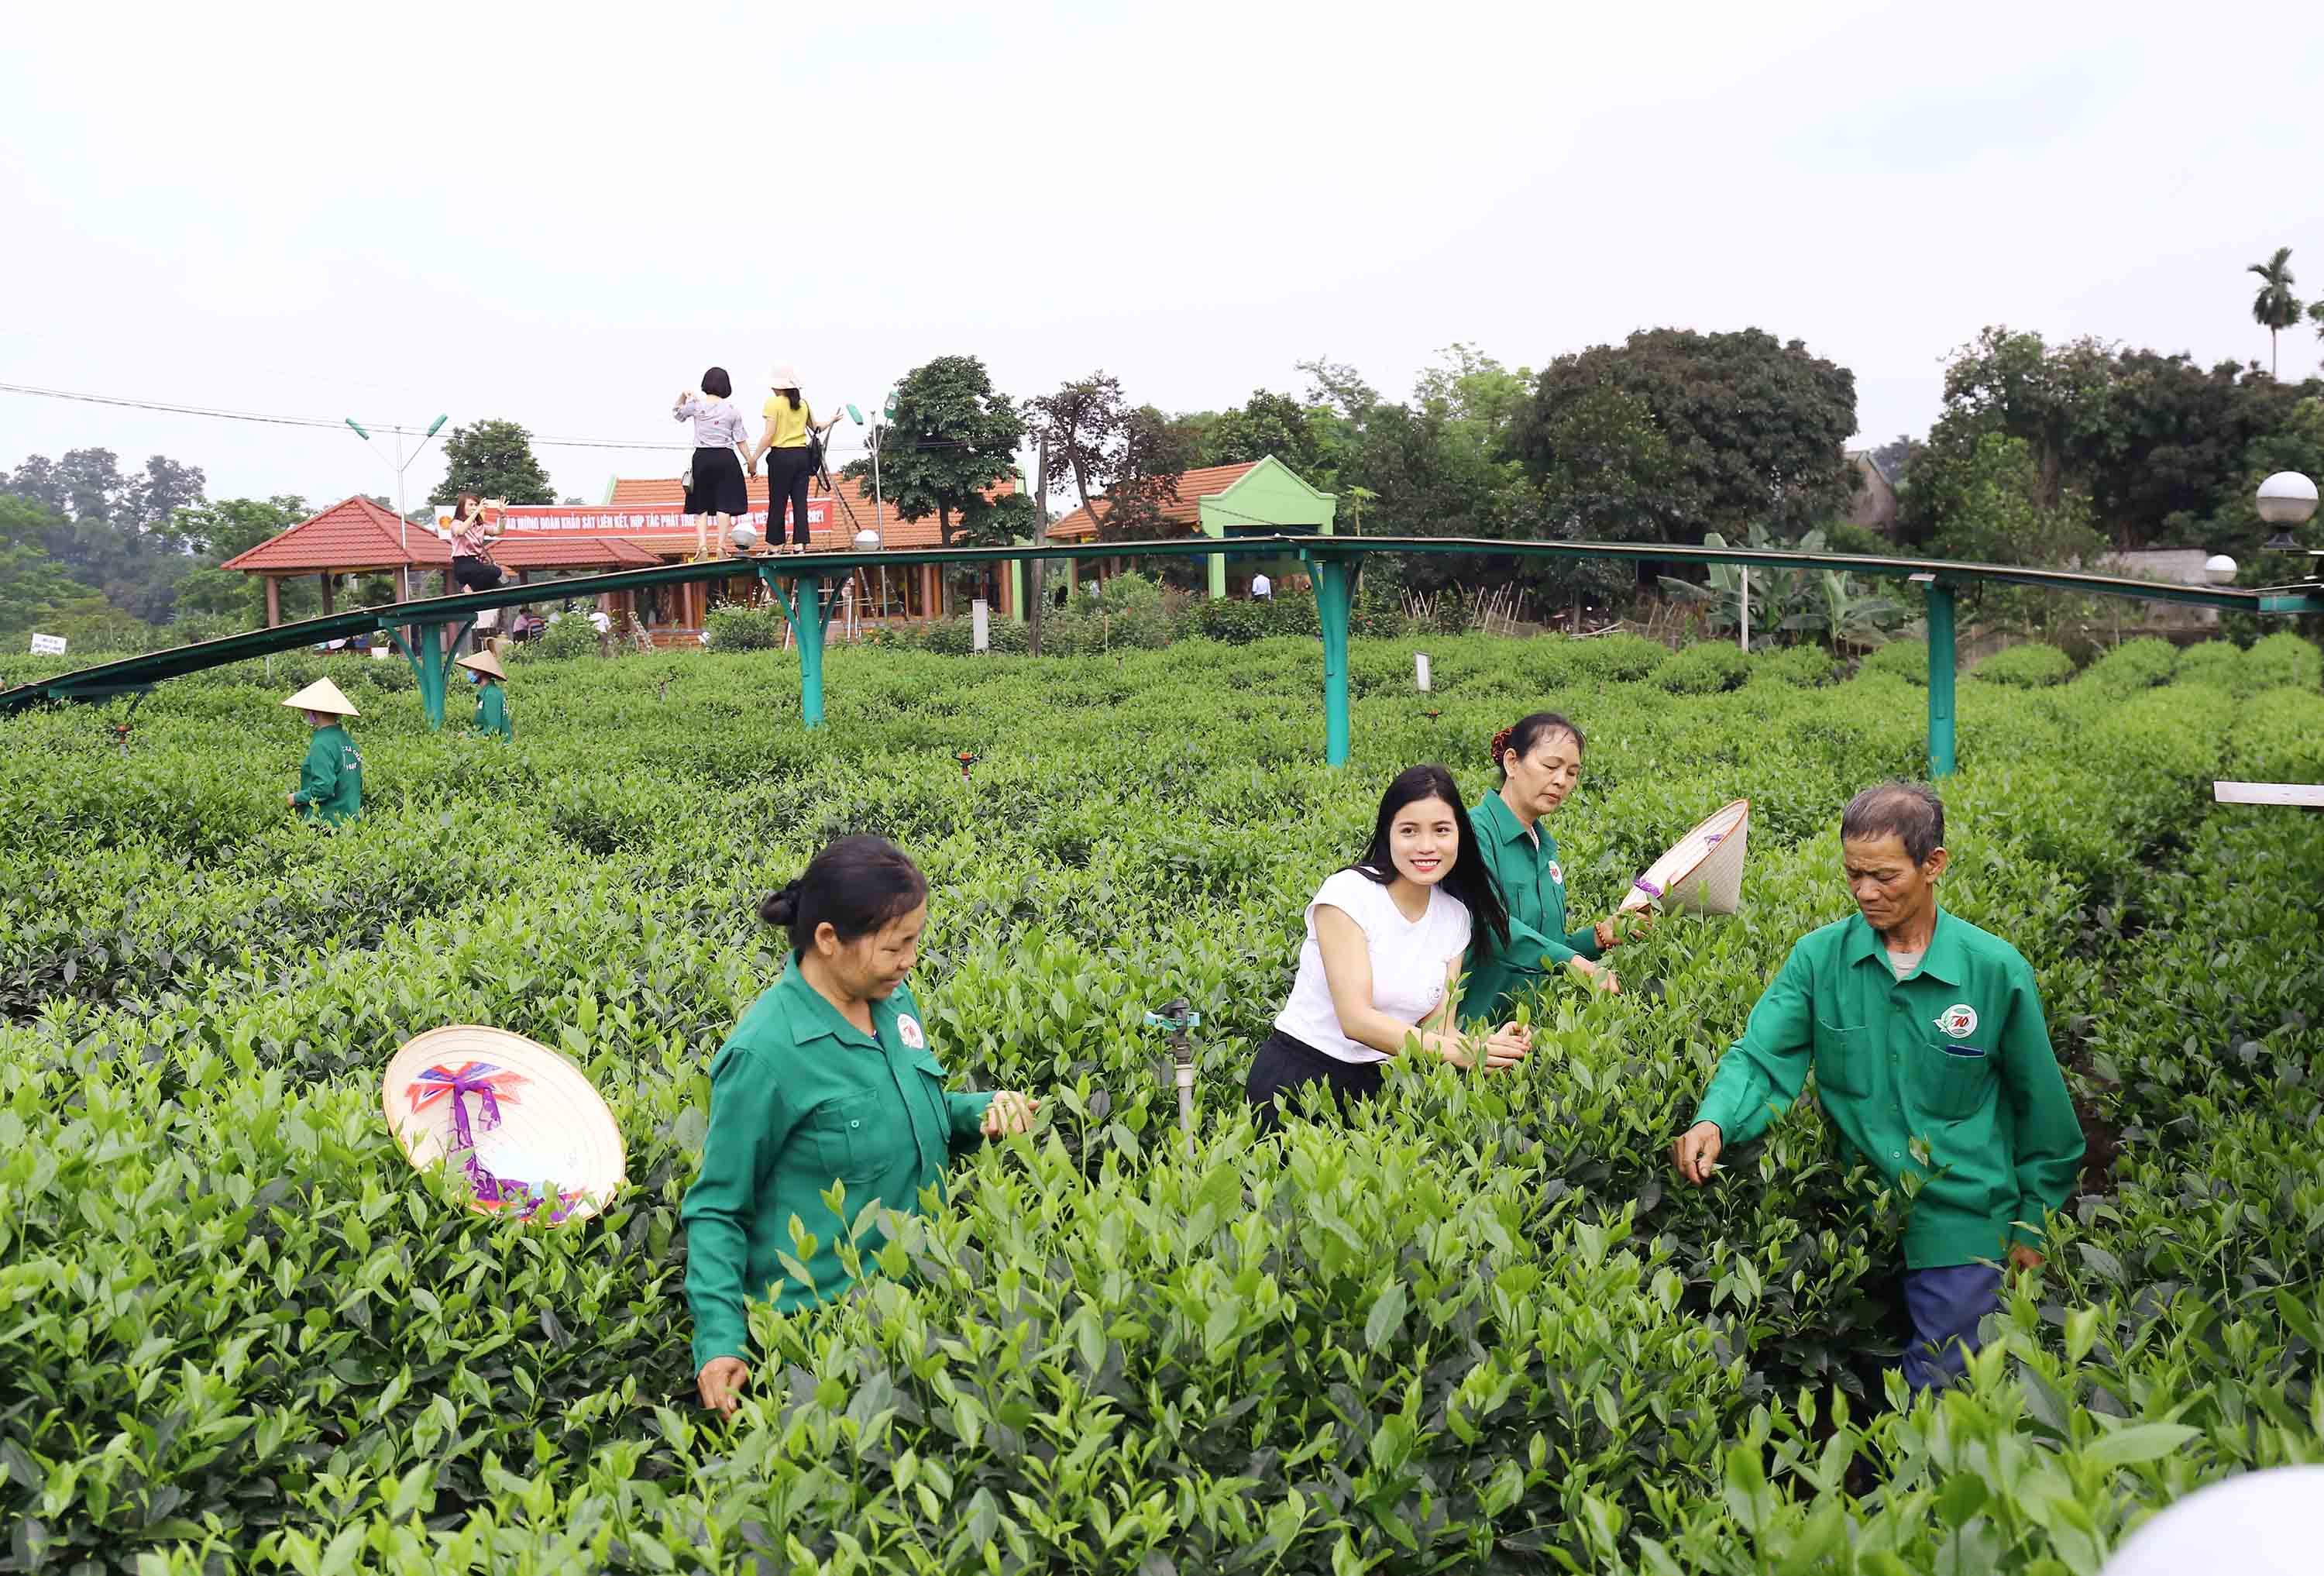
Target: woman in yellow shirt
790	457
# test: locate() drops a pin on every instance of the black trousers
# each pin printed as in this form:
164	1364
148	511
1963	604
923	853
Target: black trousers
473	574
1284	1064
789	471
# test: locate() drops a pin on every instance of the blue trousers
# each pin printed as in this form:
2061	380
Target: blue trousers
1945	1306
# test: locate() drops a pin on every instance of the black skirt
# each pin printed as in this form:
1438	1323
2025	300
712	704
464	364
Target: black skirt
718	487
1284	1064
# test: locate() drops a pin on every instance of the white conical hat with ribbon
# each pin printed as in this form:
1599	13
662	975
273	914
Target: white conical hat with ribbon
483	662
786	377
323	695
536	1139
1702	871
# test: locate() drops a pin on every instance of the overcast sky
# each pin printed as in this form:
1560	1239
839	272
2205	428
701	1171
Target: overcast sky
561	214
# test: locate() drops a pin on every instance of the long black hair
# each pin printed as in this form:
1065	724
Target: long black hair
794	395
1470	878
856	886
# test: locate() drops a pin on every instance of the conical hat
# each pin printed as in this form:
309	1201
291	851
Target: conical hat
322	695
522	1121
1702	871
483	662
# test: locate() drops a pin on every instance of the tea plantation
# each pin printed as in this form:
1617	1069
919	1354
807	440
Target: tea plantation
1482	1329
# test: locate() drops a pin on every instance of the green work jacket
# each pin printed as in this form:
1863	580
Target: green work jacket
1533	884
1955	1053
330	780
492	712
799	1099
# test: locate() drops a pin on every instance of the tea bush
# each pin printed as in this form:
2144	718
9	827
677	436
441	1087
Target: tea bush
2284	660
2032	666
1805	666
1905	660
1704	669
1480	1326
2134	665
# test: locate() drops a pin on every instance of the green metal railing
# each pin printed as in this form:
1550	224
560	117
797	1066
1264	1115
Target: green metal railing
417	627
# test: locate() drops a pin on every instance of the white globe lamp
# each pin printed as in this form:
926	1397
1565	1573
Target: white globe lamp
867	540
2261	1523
744	535
2219	569
2287	498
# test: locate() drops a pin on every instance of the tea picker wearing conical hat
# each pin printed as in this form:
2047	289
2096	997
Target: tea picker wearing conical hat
330	780
492	702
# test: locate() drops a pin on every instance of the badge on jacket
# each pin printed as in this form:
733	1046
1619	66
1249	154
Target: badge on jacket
907	1030
1958	1020
1557	872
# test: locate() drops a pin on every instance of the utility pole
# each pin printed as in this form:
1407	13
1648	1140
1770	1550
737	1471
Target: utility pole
1034	596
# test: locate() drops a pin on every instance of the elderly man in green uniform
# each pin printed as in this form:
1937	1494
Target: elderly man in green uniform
330	780
1540	762
492	718
1920	1028
827	1079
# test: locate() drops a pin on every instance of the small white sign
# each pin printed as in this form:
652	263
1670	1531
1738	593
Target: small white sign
981	622
381	653
1420	671
48	645
2249	793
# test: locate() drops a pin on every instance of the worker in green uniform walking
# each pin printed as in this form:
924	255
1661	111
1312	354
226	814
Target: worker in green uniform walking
492	701
1919	1028
330	780
1540	762
828	1080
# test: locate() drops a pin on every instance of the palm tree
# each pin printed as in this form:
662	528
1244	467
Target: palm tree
2275	308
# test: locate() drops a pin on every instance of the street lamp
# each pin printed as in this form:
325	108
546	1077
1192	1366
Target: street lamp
2285	499
397	465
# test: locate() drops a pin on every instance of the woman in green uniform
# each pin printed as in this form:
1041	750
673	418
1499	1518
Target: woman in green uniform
829	1079
1540	762
492	702
330	780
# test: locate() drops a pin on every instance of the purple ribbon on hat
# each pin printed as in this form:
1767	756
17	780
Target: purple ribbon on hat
1647	886
475	1078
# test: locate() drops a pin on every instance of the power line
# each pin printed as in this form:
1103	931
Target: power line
327	423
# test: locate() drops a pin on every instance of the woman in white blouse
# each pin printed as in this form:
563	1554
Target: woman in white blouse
1381	963
716	494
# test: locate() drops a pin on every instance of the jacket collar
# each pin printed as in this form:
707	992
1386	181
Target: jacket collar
1496	813
1947	959
812	1017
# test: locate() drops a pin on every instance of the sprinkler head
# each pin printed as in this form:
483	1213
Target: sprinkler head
966	758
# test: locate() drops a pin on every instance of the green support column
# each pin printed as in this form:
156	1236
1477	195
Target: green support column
1334	585
1941	681
430	666
1016	590
804	611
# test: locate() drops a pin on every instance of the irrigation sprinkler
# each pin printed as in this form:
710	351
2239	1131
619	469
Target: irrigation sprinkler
1176	1017
966	758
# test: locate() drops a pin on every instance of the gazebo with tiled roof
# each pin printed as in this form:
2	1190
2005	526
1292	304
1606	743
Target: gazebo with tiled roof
357	536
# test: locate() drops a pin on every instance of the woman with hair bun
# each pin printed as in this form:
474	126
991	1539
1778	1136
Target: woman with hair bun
828	1079
1539	758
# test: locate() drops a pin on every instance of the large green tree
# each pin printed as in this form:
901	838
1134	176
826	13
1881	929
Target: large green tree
111	532
493	459
34	588
1757	428
2274	308
1079	429
954	438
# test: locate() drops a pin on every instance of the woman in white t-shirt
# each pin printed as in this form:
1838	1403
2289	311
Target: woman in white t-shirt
1382	958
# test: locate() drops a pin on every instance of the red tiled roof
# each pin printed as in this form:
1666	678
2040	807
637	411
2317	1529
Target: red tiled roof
1193	486
665	492
357	534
